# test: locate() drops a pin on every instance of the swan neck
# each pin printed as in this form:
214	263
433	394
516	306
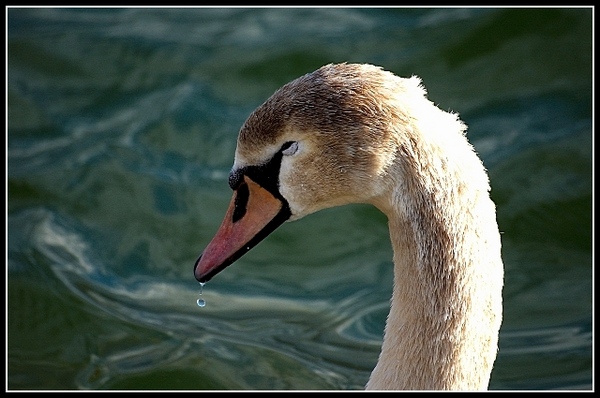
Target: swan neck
442	329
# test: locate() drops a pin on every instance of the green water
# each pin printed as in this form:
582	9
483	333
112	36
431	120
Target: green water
121	133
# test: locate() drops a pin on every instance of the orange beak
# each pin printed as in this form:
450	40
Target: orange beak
253	213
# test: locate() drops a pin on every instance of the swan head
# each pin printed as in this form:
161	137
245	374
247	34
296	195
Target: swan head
352	133
323	140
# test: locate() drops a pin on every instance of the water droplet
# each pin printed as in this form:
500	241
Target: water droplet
201	302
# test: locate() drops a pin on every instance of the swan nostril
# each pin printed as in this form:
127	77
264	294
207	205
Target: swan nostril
241	202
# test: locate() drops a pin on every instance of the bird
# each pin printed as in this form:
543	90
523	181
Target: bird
358	133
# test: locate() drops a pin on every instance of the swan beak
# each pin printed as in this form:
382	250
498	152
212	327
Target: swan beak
254	212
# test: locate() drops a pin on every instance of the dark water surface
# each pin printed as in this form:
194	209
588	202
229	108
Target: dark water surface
121	133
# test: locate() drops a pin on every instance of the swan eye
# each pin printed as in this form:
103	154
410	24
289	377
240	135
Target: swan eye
289	148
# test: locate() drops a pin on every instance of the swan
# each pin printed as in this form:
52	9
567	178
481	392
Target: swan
356	133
